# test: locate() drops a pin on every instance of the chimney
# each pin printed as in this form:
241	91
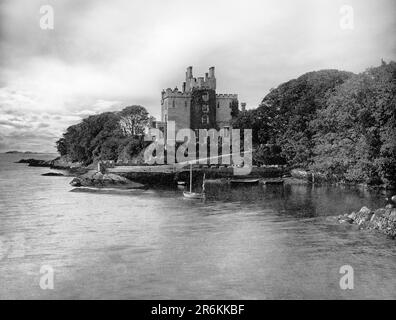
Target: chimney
189	73
243	106
211	72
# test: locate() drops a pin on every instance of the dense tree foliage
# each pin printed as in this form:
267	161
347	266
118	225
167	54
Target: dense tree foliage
134	120
355	136
333	122
107	136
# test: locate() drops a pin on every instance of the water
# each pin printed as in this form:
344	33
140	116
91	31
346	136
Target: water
241	243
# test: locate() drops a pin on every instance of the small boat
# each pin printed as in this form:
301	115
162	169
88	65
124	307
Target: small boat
273	181
194	195
245	181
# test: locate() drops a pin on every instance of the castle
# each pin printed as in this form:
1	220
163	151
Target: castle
198	106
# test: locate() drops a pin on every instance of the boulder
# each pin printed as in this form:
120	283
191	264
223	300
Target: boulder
392	215
363	216
382	219
352	215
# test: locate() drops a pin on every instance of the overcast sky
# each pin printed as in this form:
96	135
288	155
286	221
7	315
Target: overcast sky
103	55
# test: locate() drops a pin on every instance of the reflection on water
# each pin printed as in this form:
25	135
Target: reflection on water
298	200
253	242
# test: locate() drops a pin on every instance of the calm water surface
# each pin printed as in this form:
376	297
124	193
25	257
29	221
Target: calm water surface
245	243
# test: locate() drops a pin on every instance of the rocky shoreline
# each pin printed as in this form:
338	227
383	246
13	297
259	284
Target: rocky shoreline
97	179
382	219
60	163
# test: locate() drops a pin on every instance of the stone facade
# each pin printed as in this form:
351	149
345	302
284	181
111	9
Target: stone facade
198	105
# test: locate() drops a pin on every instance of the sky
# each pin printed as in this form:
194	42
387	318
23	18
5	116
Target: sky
105	55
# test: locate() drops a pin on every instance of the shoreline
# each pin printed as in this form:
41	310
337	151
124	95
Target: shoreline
135	178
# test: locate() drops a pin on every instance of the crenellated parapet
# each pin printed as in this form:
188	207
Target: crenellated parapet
175	93
226	96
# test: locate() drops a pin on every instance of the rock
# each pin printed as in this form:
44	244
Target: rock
382	219
345	220
76	182
352	216
364	215
392	215
53	174
98	179
364	210
64	162
36	162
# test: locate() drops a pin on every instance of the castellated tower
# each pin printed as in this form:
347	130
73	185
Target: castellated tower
198	105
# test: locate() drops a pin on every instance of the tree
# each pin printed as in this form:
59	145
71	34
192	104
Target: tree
355	137
291	107
103	137
134	120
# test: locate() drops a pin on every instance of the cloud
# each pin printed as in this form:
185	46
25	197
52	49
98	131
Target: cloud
104	55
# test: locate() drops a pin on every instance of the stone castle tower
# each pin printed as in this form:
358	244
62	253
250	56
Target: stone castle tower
198	106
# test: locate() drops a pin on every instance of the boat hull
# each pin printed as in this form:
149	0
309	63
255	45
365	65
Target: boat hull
245	181
193	195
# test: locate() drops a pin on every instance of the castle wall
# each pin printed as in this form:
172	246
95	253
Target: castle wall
176	107
224	109
203	105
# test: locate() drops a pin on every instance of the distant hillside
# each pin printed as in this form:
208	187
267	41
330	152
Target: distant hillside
25	152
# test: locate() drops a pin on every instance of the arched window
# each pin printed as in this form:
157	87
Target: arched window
218	104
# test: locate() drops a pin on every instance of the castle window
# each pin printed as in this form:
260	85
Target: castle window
205	119
185	104
218	104
230	104
173	103
205	108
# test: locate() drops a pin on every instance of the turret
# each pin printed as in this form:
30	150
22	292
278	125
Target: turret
211	72
189	73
